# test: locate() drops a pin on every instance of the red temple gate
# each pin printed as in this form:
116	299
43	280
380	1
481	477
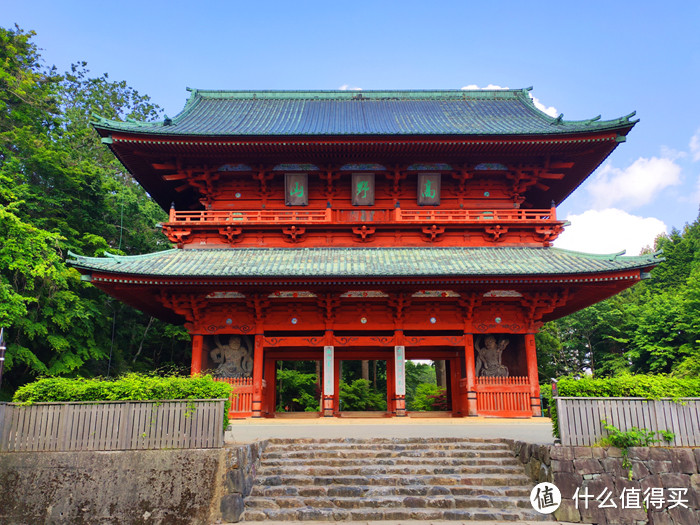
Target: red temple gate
383	225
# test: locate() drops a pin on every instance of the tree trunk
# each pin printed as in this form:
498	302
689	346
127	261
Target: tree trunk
143	338
365	370
441	373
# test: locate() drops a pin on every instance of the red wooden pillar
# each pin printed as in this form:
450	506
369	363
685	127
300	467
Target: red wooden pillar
258	362
197	344
391	386
532	375
455	372
467	386
269	405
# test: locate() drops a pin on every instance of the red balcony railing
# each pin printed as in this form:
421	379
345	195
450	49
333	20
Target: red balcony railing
357	215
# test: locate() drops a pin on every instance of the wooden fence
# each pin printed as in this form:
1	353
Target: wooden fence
580	418
111	425
241	396
503	396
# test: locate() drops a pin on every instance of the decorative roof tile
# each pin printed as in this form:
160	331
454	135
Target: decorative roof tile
373	113
361	262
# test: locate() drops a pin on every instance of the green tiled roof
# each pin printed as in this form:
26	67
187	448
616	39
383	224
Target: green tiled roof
332	113
361	262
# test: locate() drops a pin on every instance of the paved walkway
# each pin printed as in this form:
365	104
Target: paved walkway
535	430
405	522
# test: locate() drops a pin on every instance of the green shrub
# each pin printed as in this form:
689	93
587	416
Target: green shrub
634	437
359	395
627	385
297	391
130	387
428	397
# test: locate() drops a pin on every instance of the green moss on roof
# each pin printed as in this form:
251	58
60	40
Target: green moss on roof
361	262
332	113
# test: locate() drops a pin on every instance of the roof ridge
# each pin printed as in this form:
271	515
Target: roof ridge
608	256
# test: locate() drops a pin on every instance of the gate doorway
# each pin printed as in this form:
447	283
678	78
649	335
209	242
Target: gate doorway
297	388
426	388
363	388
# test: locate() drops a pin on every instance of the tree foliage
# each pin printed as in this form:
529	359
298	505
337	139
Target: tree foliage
61	190
653	327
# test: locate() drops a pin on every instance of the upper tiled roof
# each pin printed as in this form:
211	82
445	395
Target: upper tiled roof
361	262
333	113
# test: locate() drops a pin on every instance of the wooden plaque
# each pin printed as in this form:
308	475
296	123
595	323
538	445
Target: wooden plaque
296	189
362	189
428	189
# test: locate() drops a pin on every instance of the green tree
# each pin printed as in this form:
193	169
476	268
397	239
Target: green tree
654	327
60	190
359	395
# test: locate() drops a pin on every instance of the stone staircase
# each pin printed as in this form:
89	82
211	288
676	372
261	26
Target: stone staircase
390	479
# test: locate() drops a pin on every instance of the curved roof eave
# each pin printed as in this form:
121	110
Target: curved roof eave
458	113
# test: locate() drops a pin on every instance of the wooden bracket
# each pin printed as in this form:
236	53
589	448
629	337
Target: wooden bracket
190	306
294	234
179	236
396	176
399	302
539	304
257	303
546	234
495	233
262	177
330	177
363	233
328	303
432	233
232	235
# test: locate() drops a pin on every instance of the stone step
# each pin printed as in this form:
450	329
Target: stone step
395	441
371	454
363	491
468	445
386	470
393	513
414	479
341	462
438	502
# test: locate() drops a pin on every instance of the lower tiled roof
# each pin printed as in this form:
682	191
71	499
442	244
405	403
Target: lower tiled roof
361	262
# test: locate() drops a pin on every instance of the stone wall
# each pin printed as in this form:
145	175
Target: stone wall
598	470
169	487
116	487
240	467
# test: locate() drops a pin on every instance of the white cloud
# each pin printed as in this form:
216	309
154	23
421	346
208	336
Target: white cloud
673	154
635	185
695	145
348	87
549	110
490	86
610	231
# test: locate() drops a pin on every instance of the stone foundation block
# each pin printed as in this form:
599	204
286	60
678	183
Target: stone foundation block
561	453
567	512
683	460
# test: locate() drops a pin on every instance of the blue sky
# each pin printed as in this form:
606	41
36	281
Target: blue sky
583	59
